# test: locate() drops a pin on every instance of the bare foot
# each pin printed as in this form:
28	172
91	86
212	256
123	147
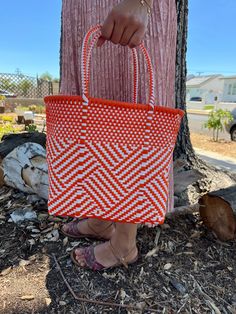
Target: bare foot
106	254
89	227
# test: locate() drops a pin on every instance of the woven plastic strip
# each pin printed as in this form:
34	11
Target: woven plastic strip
134	59
108	159
86	56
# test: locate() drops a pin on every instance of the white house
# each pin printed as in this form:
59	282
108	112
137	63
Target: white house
229	89
207	87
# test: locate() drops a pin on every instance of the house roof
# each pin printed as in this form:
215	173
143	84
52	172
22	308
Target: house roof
200	80
228	77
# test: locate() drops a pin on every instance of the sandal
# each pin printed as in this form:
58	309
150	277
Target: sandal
93	264
73	231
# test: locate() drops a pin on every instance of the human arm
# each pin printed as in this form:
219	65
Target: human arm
127	22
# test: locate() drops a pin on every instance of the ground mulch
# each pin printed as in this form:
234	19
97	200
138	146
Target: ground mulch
222	147
182	268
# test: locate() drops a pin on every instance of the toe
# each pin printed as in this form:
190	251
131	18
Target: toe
79	255
79	252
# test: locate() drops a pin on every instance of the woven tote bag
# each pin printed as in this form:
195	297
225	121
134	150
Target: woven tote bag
109	159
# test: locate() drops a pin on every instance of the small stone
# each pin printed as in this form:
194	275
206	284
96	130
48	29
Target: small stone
230	268
178	286
62	303
167	266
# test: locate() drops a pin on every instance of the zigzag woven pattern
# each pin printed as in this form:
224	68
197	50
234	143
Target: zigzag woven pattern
106	159
111	176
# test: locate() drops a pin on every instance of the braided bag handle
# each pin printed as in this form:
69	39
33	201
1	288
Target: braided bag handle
135	66
87	48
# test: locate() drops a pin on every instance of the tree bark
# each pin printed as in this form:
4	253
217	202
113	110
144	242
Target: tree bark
183	149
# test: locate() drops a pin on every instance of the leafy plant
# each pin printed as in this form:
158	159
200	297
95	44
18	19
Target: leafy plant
31	128
7	118
217	119
8	128
37	108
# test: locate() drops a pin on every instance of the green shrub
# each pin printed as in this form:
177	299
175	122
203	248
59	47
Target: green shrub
8	128
31	128
7	118
217	119
32	108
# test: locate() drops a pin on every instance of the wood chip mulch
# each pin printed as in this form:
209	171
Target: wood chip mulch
182	268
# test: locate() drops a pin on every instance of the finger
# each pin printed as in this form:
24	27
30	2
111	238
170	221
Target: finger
100	41
127	35
117	33
107	28
137	38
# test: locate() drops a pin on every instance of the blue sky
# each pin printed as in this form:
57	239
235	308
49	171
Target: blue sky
30	35
211	37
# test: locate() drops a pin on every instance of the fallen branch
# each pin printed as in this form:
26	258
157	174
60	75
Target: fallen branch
86	300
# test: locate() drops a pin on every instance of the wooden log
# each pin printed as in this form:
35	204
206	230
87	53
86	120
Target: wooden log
25	168
11	141
218	212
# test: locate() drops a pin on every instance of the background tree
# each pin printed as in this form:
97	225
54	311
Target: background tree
46	76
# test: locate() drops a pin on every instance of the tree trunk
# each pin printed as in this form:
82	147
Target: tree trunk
183	149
